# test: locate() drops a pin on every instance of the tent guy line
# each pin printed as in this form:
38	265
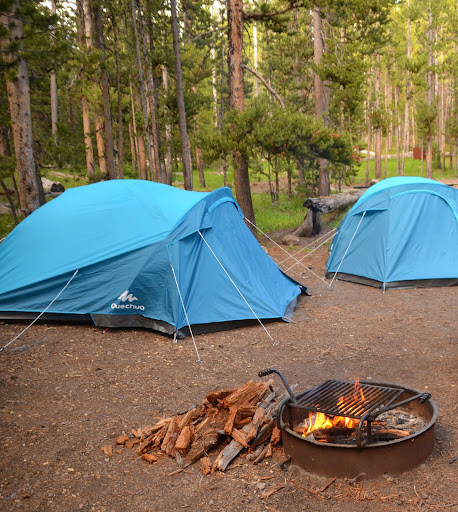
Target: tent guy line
286	252
241	294
41	314
199	360
330	237
343	257
292	256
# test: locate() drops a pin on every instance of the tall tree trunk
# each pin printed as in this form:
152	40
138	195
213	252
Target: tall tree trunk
150	86
321	97
405	145
237	102
134	125
142	166
53	85
83	42
120	173
168	133
143	93
378	129
101	147
398	130
255	57
430	97
100	44
185	152
133	150
18	90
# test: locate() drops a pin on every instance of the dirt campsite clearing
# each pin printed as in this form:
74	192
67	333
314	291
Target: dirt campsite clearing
66	391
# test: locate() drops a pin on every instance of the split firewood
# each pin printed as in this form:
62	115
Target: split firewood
267	449
394	431
205	465
264	434
188	418
201	446
184	440
230	420
241	438
256	422
229	453
168	444
249	393
159	436
276	436
216	396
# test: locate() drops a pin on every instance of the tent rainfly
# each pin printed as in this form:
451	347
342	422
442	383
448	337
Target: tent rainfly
131	253
402	233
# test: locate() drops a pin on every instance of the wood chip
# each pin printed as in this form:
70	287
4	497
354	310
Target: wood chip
149	457
205	465
108	450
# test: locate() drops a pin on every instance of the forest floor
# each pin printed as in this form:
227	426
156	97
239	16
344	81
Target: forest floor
67	390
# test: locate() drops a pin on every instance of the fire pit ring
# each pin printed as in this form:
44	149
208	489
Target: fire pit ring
372	460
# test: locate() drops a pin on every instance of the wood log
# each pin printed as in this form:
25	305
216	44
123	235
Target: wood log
189	417
250	393
328	204
263	435
317	206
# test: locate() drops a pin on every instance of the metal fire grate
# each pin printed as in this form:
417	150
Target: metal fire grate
341	398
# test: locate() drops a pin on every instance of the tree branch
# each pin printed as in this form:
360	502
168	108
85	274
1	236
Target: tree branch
266	85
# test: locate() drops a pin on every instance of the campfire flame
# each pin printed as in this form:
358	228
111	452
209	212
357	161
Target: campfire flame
321	421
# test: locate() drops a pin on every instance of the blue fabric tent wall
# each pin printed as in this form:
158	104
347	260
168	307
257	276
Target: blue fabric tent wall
124	236
402	232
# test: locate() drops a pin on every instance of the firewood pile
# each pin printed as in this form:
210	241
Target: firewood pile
227	422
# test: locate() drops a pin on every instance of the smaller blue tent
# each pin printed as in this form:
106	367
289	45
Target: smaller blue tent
147	255
402	232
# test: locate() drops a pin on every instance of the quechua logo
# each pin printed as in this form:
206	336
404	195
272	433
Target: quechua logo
127	299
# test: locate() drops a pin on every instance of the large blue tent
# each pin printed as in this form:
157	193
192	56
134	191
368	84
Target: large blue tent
141	254
402	232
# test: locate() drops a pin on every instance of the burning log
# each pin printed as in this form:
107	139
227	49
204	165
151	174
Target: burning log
239	418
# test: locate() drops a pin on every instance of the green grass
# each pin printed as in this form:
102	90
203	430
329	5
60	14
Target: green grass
411	168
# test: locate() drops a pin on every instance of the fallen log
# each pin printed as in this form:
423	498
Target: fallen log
317	206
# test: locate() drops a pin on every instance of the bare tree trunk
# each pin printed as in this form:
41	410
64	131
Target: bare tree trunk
53	85
369	131
237	102
120	173
405	145
430	98
321	97
255	57
168	133
398	131
185	152
155	137
142	166
100	44
133	150
100	147
378	130
143	93
18	91
83	41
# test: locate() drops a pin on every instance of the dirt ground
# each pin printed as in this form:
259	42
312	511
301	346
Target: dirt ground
65	391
